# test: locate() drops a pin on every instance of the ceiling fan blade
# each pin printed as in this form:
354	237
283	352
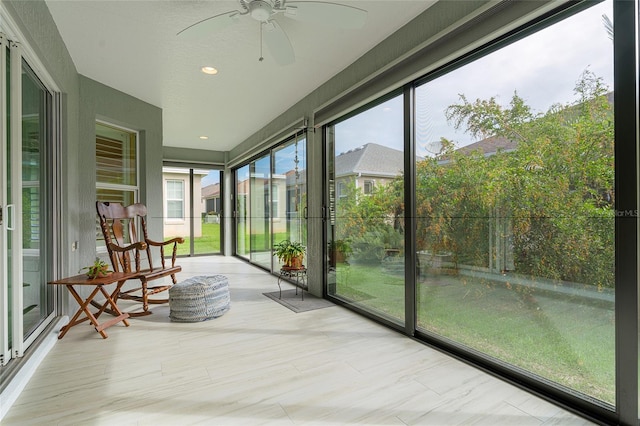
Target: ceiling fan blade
209	25
338	15
278	43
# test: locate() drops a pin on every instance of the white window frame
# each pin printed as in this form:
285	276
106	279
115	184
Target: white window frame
368	182
135	189
169	199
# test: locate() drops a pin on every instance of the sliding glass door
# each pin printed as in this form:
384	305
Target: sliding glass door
37	302
25	179
260	212
270	202
8	315
193	209
288	194
366	233
515	206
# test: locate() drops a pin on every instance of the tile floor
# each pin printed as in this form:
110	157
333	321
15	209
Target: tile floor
261	363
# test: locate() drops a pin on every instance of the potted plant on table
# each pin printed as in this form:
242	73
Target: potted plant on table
99	269
290	252
339	251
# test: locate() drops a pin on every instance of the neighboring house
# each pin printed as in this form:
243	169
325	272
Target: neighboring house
487	146
368	166
296	191
490	146
374	165
260	196
177	202
212	202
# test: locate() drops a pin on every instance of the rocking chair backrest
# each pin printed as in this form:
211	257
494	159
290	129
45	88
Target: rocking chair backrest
114	220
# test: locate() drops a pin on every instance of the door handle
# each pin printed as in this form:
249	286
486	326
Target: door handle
12	217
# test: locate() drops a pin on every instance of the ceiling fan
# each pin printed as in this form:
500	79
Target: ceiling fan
276	39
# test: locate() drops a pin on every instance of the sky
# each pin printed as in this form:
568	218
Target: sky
284	161
212	177
543	68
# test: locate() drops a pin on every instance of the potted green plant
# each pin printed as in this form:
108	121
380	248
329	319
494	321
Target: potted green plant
98	269
339	251
290	252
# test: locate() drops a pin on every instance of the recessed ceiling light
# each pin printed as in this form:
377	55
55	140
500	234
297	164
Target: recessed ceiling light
209	70
204	138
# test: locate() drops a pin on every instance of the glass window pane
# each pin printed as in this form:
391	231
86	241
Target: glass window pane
174	197
115	156
210	211
366	241
125	198
116	196
116	168
288	194
515	205
271	202
200	227
174	209
242	212
37	295
260	211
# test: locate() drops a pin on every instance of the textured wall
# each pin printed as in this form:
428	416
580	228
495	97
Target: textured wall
100	102
194	156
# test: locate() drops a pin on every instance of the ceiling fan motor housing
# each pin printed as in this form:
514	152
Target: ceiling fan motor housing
260	10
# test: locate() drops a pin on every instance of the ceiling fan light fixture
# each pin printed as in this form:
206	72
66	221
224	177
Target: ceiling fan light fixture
260	10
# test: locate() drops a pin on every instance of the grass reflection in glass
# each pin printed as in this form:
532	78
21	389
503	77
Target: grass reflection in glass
371	288
567	337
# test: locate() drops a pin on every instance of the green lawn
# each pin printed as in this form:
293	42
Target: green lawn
209	242
567	340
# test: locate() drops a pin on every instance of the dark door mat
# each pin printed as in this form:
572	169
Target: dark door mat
295	302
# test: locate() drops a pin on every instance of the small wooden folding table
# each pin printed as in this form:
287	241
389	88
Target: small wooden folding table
98	284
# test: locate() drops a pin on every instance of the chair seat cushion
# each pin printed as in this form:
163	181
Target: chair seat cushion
199	298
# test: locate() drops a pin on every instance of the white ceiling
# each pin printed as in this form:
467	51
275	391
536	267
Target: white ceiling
132	46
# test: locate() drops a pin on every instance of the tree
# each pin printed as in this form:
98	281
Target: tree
551	198
372	222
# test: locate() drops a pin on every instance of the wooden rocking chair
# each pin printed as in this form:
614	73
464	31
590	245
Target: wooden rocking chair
118	226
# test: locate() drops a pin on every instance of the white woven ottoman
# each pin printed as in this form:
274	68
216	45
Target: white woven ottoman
199	298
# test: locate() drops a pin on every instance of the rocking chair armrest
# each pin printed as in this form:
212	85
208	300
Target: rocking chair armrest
178	240
141	245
